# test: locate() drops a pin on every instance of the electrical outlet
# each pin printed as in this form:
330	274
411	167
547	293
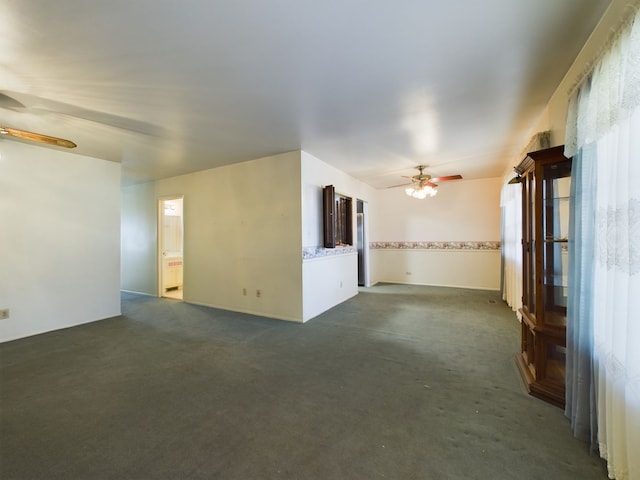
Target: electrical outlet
4	313
244	292
258	293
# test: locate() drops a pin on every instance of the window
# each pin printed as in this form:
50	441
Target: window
337	218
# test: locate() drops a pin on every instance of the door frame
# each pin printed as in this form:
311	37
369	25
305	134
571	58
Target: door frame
160	241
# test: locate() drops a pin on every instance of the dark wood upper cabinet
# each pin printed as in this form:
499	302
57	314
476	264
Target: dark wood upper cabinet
337	218
328	216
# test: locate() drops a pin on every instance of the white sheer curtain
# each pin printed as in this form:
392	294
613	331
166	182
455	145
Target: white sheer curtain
511	204
604	114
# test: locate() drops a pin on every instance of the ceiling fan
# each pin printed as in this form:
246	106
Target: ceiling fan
11	103
36	137
424	185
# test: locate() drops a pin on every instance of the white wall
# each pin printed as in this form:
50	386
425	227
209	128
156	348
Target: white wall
329	277
466	211
59	239
328	281
139	239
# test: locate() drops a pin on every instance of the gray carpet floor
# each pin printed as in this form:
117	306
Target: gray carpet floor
400	382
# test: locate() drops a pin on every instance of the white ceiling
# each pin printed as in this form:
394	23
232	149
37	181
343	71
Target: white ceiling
374	87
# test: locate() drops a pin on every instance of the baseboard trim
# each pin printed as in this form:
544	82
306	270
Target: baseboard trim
138	293
474	287
247	312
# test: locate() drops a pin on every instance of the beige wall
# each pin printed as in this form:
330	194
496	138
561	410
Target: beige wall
242	231
463	210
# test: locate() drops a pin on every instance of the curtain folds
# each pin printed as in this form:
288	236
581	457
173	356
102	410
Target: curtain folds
603	333
580	405
511	241
617	298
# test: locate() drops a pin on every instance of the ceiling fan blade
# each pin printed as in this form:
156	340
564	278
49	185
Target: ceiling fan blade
37	137
400	185
447	178
431	184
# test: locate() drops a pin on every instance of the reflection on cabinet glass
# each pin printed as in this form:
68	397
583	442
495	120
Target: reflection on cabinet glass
546	184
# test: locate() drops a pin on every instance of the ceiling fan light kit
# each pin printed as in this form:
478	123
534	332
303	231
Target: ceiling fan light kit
423	185
421	192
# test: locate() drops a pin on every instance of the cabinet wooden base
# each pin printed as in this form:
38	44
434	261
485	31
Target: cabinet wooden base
550	392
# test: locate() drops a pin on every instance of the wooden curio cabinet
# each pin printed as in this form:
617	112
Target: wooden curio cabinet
546	180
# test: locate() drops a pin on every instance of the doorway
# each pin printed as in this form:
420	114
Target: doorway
171	252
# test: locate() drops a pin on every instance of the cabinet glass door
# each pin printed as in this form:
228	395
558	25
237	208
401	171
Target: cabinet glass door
528	243
555	224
